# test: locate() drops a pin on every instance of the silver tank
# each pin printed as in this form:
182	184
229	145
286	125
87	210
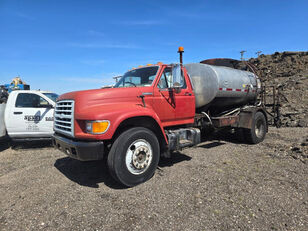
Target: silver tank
218	86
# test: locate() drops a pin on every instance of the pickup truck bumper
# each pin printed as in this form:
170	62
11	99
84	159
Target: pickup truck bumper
80	150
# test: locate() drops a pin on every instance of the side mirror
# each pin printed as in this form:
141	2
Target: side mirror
177	78
176	74
177	87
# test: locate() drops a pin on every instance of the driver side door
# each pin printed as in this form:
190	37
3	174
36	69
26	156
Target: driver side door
164	100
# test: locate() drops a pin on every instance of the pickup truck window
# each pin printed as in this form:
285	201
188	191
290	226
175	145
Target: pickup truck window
30	100
52	96
141	77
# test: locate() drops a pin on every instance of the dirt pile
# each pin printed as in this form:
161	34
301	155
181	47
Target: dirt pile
289	72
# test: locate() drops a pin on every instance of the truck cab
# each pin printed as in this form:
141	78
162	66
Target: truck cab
147	91
170	98
29	114
88	123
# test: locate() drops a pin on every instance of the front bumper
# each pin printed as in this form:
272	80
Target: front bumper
80	150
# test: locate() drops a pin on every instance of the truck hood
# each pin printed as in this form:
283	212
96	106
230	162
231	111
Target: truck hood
100	94
90	99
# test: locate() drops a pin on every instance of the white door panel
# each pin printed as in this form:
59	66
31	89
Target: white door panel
30	116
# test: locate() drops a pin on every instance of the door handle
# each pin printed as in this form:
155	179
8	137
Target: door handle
17	112
188	93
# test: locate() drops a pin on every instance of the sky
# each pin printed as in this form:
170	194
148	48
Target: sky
65	45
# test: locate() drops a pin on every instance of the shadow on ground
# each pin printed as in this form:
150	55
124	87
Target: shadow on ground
92	173
89	173
211	145
32	144
4	144
176	157
217	137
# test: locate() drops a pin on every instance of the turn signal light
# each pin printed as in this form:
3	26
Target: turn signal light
97	127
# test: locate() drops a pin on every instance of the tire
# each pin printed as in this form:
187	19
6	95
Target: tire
134	156
258	129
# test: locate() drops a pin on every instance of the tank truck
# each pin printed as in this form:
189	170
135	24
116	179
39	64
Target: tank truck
155	110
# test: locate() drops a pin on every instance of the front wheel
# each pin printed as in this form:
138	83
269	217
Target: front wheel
258	129
134	156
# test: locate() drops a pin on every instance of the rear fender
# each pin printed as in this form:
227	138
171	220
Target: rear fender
247	116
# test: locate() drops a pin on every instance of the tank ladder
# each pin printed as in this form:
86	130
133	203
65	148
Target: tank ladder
270	99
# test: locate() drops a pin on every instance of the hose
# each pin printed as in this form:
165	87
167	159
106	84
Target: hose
207	117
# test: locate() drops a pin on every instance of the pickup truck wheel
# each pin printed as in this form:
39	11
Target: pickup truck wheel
258	129
134	156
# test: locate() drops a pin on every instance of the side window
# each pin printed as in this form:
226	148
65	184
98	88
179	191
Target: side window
30	100
165	79
43	102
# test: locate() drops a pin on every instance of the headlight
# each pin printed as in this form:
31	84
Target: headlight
97	127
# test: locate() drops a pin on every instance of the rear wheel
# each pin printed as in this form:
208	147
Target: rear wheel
258	129
134	156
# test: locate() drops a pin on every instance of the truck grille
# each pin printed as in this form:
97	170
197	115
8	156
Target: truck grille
64	117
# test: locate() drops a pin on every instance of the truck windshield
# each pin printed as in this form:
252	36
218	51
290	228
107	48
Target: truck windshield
52	96
141	77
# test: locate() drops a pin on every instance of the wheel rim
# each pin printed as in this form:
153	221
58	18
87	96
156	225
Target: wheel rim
139	156
259	129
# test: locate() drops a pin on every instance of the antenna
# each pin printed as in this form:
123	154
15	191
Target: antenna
242	54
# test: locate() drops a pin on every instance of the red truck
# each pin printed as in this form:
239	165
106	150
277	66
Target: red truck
154	110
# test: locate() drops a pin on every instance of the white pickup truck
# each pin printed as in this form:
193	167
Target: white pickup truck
27	114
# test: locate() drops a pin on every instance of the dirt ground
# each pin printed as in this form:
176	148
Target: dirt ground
219	185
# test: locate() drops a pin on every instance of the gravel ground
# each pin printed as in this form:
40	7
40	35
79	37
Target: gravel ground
219	185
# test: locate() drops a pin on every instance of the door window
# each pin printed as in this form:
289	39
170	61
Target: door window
29	100
166	80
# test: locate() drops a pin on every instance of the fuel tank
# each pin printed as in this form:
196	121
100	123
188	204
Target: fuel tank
218	86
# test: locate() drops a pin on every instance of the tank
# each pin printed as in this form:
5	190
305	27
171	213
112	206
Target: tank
218	86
